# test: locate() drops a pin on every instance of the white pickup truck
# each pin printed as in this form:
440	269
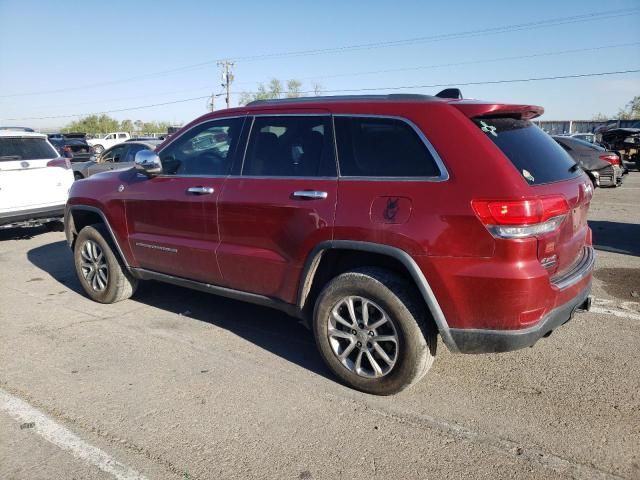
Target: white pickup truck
111	139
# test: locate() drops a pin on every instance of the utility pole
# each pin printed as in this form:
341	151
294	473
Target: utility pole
227	78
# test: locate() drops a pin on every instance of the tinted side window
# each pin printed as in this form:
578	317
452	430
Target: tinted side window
382	147
290	146
207	149
538	158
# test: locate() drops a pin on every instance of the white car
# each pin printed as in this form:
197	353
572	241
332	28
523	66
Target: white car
34	179
111	139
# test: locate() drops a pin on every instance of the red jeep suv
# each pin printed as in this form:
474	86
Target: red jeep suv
381	220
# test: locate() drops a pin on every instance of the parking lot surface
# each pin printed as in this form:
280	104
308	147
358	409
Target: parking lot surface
180	384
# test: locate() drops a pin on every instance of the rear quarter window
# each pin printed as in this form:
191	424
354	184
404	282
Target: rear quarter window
537	157
382	147
12	149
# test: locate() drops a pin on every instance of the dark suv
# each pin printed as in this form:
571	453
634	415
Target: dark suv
381	220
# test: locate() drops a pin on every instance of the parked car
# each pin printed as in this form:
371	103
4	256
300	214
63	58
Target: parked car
72	146
118	157
603	166
108	141
34	180
17	129
420	216
625	141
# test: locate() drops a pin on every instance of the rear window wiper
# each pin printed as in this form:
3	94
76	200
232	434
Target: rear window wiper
574	167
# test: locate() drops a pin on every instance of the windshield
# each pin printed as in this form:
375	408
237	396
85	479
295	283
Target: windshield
538	158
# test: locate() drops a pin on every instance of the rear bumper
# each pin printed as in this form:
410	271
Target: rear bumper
43	213
492	341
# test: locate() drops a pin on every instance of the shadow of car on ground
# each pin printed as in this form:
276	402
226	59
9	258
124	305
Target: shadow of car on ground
616	237
267	328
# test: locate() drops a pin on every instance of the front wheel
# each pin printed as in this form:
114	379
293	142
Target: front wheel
373	331
98	267
98	149
78	175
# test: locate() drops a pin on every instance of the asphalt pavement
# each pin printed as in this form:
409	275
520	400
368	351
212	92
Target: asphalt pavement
178	384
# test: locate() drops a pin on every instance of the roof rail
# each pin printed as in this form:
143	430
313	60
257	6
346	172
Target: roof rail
392	97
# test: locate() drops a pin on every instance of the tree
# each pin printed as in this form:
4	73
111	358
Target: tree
105	124
317	88
272	90
293	88
126	125
600	117
631	110
93	124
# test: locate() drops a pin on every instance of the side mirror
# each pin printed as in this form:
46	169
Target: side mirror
148	162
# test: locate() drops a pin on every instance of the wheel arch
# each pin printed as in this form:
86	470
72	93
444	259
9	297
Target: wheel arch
79	216
314	274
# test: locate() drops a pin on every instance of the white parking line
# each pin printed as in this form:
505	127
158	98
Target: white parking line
65	439
617	313
630	310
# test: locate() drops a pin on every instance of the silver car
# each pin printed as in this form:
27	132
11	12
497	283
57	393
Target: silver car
118	157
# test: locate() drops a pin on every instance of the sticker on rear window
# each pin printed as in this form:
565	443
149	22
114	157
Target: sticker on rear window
526	174
486	128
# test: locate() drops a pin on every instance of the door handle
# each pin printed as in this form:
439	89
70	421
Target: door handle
310	194
200	190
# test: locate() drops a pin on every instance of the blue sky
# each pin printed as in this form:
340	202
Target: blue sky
73	45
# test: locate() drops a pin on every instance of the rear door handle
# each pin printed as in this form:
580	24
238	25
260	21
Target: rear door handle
200	190
310	194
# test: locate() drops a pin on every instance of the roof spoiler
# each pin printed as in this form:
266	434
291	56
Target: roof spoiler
450	93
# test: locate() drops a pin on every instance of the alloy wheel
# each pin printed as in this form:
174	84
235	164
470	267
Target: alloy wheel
94	266
363	337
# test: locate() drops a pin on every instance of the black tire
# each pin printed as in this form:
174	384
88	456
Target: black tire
119	284
98	149
399	299
78	175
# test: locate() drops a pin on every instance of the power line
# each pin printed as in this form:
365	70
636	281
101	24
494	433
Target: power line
371	72
451	36
473	62
111	111
364	46
404	87
486	82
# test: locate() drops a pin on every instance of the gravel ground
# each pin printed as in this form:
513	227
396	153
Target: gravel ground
179	384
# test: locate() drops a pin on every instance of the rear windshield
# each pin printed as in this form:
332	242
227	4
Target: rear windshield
538	158
12	149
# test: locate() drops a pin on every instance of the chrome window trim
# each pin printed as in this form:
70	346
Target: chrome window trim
171	142
444	173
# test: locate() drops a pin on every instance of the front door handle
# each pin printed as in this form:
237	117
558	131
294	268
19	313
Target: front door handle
310	194
200	190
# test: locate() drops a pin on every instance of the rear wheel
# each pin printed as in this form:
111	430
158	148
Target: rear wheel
98	267
372	330
78	175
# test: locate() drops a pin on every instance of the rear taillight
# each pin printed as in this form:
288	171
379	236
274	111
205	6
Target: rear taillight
60	162
523	218
611	158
